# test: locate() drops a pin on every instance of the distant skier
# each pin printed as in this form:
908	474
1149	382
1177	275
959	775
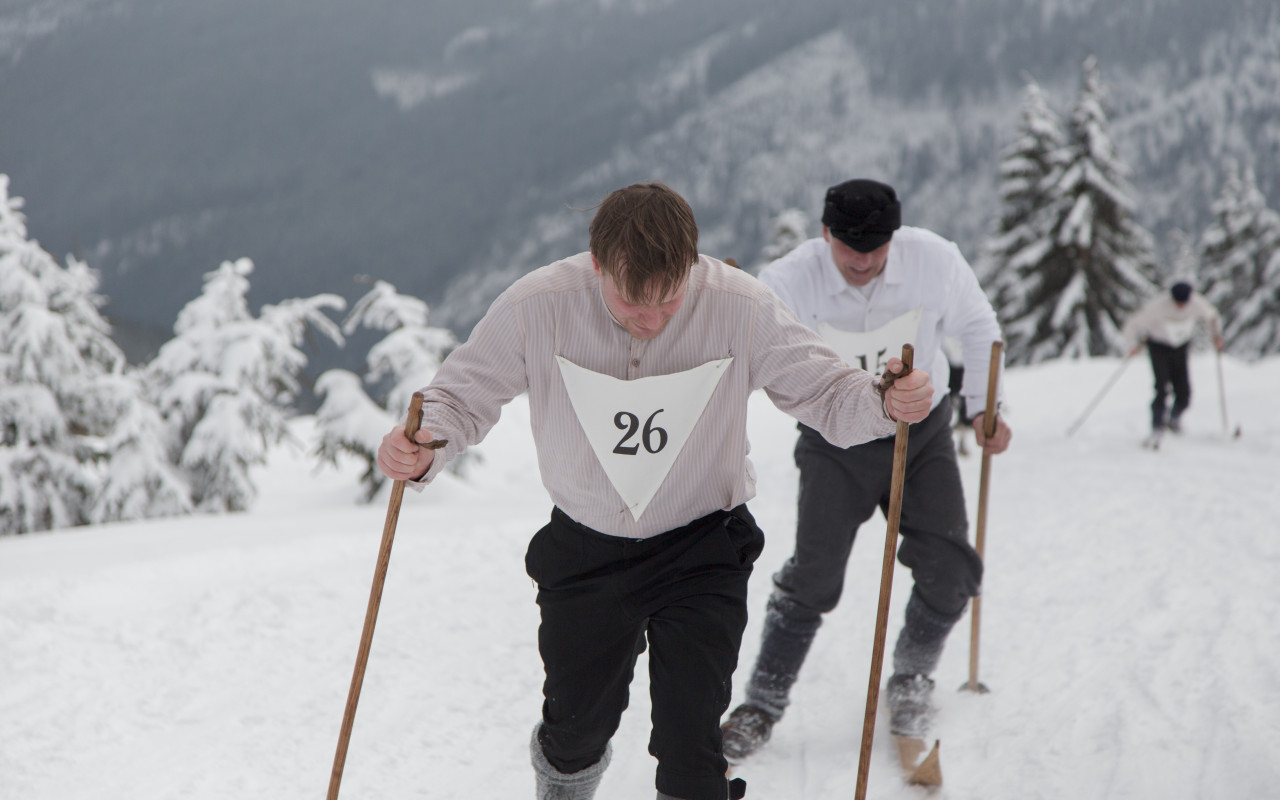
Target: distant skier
1166	324
962	420
868	285
639	358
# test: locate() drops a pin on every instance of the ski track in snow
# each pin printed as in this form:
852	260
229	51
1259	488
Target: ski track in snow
1127	629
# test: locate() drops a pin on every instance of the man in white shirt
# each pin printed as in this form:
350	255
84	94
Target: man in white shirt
1166	324
639	357
868	285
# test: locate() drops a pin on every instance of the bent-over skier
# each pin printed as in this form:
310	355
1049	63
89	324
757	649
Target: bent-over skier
639	357
869	285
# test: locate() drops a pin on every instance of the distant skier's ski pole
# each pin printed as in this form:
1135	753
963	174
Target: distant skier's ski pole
371	615
886	587
1222	400
1115	377
988	430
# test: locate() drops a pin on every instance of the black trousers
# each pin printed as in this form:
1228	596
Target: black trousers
840	488
1169	365
601	597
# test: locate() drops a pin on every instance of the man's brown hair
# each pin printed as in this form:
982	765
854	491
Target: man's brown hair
644	236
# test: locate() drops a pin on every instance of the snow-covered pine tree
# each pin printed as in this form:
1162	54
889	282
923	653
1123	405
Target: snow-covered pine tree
1183	262
1020	236
80	443
140	479
786	232
43	484
227	381
348	420
1240	253
1098	263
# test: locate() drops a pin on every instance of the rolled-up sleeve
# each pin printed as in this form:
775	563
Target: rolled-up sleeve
465	399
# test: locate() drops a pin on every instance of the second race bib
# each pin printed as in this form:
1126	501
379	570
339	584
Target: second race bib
871	351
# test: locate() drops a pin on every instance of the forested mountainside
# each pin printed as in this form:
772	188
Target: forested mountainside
448	148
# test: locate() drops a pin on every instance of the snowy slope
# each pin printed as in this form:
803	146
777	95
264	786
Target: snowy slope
1128	627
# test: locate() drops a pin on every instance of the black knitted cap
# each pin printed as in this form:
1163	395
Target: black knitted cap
862	213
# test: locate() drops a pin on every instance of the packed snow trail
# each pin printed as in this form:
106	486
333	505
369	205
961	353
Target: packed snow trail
1127	627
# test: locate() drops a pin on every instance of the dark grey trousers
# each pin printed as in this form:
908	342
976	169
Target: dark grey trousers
841	488
1169	367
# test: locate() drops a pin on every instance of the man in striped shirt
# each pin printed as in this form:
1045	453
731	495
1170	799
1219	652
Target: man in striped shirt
639	357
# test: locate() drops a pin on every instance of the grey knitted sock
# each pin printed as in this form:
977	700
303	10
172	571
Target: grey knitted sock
923	635
552	784
788	633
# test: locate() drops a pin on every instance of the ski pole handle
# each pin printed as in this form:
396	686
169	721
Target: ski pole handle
993	384
887	379
414	421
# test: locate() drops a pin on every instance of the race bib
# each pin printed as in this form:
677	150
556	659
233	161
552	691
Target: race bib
871	351
637	428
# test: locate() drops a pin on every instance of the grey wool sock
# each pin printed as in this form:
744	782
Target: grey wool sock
923	635
788	633
552	784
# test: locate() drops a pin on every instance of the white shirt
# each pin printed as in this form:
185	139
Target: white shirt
924	272
1161	320
558	311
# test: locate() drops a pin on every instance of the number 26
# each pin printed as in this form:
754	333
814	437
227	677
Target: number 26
625	420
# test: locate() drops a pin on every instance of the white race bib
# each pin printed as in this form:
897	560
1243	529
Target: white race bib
637	428
871	351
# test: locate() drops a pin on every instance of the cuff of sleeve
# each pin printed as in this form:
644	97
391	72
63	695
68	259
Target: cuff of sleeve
437	466
884	402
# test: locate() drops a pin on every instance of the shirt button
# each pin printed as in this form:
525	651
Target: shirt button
635	362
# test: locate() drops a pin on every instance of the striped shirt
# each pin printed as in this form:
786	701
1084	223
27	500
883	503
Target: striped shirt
558	310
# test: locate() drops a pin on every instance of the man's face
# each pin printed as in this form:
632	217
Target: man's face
858	269
643	321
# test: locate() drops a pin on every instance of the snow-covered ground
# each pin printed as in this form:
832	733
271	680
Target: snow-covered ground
1128	628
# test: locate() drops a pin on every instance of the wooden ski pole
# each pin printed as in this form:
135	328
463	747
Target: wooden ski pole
980	538
1115	377
371	614
886	588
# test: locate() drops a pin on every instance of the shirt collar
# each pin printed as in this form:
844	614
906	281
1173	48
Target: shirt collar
833	283
696	274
